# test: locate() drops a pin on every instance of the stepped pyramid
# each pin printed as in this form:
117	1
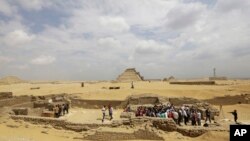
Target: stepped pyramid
130	74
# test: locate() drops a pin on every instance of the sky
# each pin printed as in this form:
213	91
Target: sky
99	39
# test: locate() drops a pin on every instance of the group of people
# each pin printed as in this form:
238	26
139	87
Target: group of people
110	111
179	115
60	110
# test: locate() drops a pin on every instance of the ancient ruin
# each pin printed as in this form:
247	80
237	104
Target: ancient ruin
129	75
84	117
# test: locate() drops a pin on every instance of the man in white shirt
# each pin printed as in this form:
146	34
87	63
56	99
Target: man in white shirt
199	118
103	112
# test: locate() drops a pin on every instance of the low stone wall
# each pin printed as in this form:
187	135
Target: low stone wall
59	123
20	111
218	78
193	82
96	104
183	100
5	95
15	101
230	100
158	123
111	136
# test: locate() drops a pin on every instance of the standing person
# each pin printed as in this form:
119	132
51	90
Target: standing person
66	108
60	110
111	112
57	111
175	116
185	116
63	109
193	118
132	85
208	114
103	112
180	116
235	115
199	118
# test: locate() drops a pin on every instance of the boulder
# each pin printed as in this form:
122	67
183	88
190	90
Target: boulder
77	128
127	115
165	124
191	132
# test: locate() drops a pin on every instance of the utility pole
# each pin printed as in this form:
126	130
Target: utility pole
214	72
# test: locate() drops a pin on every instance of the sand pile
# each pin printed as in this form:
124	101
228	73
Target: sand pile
11	80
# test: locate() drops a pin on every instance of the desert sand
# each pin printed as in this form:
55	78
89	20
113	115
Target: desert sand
11	130
100	90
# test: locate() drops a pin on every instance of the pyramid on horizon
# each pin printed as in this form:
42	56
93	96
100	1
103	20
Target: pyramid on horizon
130	74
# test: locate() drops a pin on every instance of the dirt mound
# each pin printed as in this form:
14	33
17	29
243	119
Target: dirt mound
11	80
145	99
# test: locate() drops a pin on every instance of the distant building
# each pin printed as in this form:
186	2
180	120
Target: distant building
129	75
169	79
217	78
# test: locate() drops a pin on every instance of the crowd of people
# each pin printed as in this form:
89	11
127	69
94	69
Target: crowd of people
183	114
60	110
110	111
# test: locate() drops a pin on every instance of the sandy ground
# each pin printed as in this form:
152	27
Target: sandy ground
21	131
79	115
100	90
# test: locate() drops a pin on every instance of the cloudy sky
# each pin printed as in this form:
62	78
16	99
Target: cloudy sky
98	39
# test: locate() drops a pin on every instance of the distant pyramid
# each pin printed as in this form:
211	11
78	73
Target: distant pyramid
11	80
130	74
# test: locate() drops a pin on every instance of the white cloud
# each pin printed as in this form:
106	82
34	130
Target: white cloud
33	4
150	47
20	67
4	59
109	42
17	38
6	8
114	24
43	60
226	6
184	15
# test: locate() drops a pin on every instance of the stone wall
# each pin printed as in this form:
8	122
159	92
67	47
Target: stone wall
95	104
193	82
15	101
59	123
145	99
217	78
183	100
157	123
136	135
20	111
230	100
5	95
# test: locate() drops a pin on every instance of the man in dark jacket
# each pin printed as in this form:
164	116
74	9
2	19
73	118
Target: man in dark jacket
234	113
208	115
